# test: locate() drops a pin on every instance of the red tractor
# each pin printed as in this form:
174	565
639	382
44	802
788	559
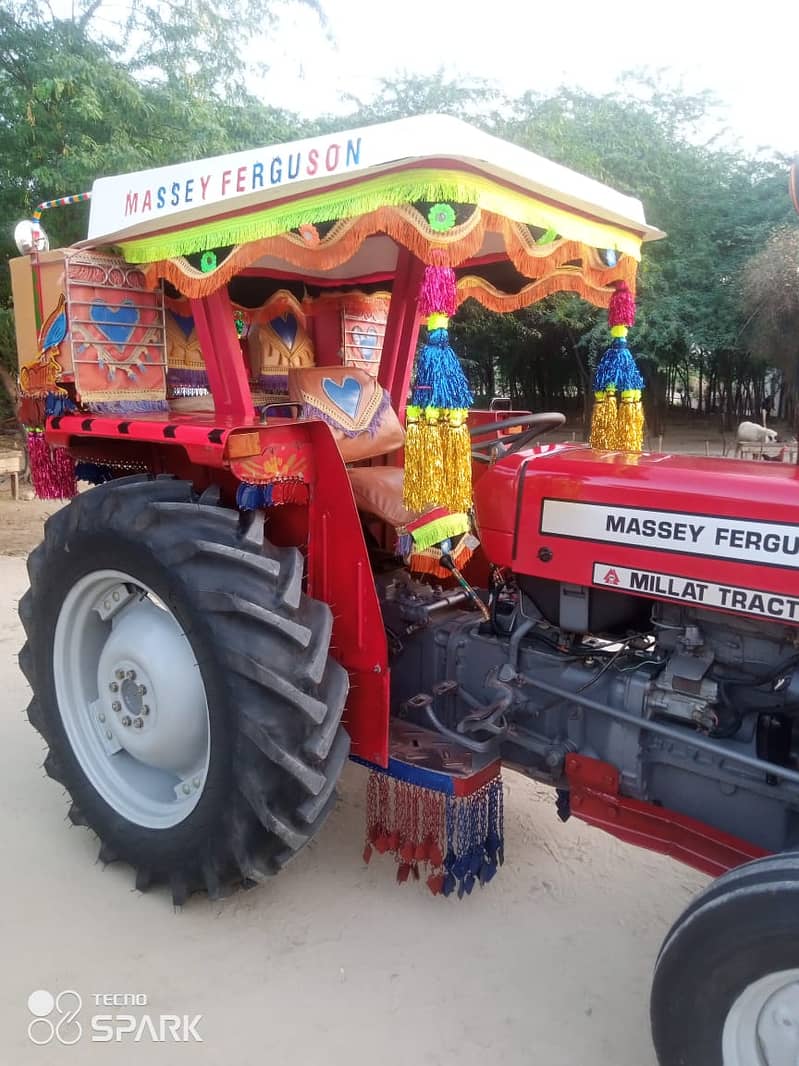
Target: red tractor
267	577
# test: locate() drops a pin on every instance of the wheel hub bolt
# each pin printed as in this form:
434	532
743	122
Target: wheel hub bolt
186	789
119	675
145	709
114	686
126	721
101	717
137	723
196	782
131	674
109	734
116	706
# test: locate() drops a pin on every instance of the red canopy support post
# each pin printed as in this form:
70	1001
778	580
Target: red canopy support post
402	330
227	377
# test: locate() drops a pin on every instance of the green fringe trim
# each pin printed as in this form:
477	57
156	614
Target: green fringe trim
355	200
451	525
391	190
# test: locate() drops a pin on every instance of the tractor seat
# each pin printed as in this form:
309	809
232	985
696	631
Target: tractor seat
378	491
358	410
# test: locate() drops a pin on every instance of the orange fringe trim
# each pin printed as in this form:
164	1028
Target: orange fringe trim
427	562
410	229
565	279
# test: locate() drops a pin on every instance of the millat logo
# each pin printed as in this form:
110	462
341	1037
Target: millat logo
611	578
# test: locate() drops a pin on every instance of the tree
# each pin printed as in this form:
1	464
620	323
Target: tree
771	300
72	108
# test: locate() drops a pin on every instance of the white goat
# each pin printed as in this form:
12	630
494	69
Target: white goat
752	433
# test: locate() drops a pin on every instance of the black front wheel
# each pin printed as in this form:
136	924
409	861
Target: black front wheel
726	984
183	684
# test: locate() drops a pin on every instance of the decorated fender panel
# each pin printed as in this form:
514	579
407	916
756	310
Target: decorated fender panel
714	533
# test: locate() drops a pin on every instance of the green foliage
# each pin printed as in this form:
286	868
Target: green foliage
76	104
771	302
73	108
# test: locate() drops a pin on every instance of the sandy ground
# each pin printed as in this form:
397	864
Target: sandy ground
332	962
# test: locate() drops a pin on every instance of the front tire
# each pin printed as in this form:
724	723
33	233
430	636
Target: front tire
726	984
182	682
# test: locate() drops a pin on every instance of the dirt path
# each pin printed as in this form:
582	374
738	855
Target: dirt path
331	963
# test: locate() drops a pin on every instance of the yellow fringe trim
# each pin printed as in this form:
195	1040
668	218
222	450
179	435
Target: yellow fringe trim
407	187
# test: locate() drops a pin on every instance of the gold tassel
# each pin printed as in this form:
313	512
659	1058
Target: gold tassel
638	411
431	468
457	455
629	422
603	420
412	484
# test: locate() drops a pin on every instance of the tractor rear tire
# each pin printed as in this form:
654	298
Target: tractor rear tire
183	685
726	984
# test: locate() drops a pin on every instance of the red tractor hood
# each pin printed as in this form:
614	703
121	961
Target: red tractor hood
719	533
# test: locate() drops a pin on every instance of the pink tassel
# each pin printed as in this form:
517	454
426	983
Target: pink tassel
621	311
52	471
438	296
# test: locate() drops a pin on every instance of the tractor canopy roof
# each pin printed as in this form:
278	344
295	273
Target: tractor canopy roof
343	205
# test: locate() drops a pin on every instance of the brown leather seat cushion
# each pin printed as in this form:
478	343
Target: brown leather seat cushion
378	491
354	405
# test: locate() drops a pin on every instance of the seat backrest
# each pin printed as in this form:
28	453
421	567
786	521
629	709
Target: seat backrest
355	406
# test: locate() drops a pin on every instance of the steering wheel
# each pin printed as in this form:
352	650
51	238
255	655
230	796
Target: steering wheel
486	451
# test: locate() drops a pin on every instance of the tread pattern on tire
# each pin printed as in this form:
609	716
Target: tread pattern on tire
743	926
284	695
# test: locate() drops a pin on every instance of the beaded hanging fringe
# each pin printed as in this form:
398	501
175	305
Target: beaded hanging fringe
452	841
52	469
617	420
182	382
276	493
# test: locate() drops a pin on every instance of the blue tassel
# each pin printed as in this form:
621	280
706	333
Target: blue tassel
440	380
93	473
404	545
253	497
56	404
617	369
249	497
487	871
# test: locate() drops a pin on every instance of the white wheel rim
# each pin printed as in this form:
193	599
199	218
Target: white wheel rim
132	699
762	1026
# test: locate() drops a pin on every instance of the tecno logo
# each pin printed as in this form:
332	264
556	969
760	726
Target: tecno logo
55	1017
64	1027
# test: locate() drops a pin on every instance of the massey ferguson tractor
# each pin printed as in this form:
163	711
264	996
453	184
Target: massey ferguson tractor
302	545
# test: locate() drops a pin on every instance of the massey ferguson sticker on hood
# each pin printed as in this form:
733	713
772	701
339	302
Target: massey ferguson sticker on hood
704	593
761	543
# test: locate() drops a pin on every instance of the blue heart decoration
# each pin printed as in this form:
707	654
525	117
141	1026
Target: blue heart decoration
345	396
366	341
115	323
185	322
285	326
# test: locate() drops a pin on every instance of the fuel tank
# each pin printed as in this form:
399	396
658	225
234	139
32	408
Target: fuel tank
716	533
